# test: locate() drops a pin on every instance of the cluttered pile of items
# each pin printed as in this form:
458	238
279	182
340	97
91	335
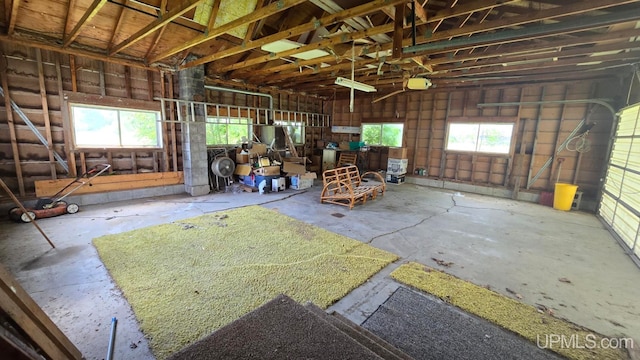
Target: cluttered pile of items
259	169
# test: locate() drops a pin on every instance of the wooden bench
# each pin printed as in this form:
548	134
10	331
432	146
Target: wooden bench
344	186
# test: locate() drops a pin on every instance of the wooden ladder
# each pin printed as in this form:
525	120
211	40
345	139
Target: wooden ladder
289	142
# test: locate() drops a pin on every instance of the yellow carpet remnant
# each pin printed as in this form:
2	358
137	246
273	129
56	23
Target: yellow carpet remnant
561	336
188	278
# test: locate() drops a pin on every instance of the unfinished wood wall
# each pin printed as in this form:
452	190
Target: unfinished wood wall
540	130
37	81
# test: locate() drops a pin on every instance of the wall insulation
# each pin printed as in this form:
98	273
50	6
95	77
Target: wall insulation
620	203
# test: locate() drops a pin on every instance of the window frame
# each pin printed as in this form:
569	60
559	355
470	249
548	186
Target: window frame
110	103
211	120
381	124
483	121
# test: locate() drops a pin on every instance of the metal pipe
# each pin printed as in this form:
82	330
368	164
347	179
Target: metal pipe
602	102
218	88
112	338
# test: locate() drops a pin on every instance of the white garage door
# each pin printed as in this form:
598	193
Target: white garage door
620	204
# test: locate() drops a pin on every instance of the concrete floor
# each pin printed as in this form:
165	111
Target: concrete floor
490	241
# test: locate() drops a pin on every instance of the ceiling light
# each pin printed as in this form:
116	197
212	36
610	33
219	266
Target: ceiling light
354	84
418	83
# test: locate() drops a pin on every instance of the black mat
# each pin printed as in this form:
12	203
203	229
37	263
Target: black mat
280	329
425	327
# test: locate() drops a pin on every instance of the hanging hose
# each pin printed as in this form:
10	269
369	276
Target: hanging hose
580	142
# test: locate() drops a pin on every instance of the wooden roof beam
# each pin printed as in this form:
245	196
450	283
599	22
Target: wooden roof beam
88	15
441	15
12	16
259	14
297	30
161	21
158	36
116	29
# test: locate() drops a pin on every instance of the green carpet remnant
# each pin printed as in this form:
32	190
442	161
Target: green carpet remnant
561	336
190	277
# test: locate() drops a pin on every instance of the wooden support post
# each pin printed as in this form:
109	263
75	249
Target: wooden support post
127	82
24	211
474	159
587	115
74	75
535	138
110	161
514	137
550	180
491	159
417	137
165	127
45	114
443	158
172	116
83	163
523	145
11	124
455	175
66	124
150	87
103	85
431	130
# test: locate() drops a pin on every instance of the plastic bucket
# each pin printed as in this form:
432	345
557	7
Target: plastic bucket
563	196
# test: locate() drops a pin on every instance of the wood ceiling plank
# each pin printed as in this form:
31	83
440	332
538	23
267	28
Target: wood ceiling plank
88	15
161	21
13	16
440	15
116	29
297	30
261	13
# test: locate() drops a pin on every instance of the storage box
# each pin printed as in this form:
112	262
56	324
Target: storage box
299	182
293	168
395	179
242	169
267	170
397	153
258	149
267	183
344	145
279	184
397	166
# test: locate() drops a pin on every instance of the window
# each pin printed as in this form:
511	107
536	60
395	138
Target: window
110	127
227	131
480	137
295	129
382	134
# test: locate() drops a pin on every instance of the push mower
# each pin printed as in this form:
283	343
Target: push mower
54	206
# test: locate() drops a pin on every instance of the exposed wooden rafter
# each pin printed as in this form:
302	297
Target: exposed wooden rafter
162	20
13	15
88	15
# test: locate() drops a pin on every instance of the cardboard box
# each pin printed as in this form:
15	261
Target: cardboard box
258	149
242	158
243	169
395	179
299	183
293	168
267	170
309	175
397	166
344	145
279	184
397	153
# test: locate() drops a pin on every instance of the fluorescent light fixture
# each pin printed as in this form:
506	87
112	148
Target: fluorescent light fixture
284	45
354	84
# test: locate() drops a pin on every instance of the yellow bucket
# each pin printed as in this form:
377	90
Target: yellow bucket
563	196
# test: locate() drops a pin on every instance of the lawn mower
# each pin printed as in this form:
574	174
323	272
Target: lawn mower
54	206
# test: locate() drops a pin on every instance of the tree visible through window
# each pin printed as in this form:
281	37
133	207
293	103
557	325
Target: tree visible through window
480	137
109	127
382	134
225	131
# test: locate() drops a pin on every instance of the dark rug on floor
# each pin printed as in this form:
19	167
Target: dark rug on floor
280	329
425	327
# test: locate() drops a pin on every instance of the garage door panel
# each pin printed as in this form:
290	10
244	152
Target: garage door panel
625	224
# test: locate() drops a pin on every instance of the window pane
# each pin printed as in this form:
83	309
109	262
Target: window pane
392	135
462	137
371	134
216	134
237	132
495	138
95	127
139	128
